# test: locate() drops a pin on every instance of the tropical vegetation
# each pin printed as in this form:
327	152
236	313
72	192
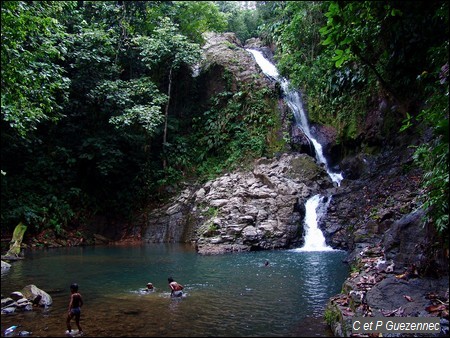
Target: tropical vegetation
99	114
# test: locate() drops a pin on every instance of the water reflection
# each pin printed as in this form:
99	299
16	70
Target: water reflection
226	295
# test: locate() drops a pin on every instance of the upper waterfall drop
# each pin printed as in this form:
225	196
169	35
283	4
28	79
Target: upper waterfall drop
293	100
267	67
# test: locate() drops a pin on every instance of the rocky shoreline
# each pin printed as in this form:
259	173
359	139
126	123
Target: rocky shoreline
374	290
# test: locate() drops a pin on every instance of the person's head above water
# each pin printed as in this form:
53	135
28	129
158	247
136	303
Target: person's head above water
74	287
170	279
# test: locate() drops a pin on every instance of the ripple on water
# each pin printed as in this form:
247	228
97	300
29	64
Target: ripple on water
226	295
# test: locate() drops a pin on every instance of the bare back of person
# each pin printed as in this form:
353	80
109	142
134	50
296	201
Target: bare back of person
76	300
176	288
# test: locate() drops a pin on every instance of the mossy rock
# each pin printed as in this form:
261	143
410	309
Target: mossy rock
339	324
304	168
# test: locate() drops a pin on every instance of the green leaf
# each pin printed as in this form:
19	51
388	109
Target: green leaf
338	55
324	30
328	40
340	62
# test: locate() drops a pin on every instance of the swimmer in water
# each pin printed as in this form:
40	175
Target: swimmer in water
176	289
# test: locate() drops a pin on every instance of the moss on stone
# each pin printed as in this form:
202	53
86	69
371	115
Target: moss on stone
304	168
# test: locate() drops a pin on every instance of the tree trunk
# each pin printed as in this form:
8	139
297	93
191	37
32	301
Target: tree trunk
16	241
166	117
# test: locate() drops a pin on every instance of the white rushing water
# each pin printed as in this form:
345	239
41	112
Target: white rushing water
293	100
314	238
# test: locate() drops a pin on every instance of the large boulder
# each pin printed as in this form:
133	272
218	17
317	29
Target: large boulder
224	53
5	266
36	295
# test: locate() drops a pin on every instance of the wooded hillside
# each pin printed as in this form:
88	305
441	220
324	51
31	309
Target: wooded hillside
100	113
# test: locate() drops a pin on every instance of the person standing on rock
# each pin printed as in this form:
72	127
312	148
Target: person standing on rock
75	304
176	289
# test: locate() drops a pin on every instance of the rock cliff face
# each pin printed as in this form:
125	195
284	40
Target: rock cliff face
398	268
243	211
379	205
225	53
226	65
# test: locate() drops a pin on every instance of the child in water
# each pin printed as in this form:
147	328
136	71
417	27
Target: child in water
75	304
175	288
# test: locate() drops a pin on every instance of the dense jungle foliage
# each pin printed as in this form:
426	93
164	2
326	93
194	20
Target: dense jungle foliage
99	114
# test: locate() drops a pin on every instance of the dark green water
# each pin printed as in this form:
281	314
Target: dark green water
226	295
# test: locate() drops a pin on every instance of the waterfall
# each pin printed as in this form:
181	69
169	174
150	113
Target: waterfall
315	206
314	239
293	100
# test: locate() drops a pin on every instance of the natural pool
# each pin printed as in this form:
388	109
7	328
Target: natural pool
231	295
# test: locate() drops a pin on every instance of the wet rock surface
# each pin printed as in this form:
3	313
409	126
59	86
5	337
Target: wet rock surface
398	269
243	211
25	299
373	289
